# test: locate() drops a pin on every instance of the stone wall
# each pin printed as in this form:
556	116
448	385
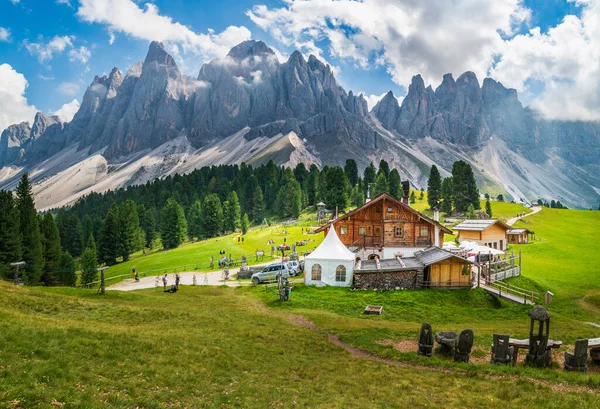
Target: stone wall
410	280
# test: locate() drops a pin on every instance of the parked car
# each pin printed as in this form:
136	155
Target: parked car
294	268
270	273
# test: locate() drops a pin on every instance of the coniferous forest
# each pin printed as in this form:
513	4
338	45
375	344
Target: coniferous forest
106	228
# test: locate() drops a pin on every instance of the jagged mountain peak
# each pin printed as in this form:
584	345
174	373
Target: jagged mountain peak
250	48
296	58
135	70
468	77
158	54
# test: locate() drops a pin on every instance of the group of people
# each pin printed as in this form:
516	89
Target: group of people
173	287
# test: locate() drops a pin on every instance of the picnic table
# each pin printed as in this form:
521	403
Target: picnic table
524	343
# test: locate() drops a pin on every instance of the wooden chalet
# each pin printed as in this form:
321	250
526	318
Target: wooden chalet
385	228
519	236
488	232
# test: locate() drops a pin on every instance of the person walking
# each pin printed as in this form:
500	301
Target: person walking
165	282
133	272
177	281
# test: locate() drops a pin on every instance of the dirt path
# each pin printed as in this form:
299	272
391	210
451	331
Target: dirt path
534	210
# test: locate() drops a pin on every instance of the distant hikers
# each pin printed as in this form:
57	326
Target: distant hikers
133	272
137	277
165	282
177	279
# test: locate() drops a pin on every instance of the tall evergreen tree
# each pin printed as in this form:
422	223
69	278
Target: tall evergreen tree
412	198
10	234
148	224
446	195
384	168
357	196
471	211
194	220
129	230
488	208
89	263
460	185
381	185
351	171
301	174
434	188
52	250
212	215
31	238
312	187
249	189
71	233
245	223
233	213
258	205
395	185
335	189
472	189
296	205
173	226
67	270
369	177
108	246
87	227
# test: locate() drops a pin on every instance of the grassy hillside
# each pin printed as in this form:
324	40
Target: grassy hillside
217	347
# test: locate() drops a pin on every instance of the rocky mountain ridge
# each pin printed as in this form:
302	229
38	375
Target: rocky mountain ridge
123	118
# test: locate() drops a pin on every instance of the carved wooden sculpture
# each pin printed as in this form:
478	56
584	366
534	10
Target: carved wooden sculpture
425	340
577	361
539	354
502	352
462	350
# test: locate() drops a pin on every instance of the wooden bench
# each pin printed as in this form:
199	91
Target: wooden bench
524	343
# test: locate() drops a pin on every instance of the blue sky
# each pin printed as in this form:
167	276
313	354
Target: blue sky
406	38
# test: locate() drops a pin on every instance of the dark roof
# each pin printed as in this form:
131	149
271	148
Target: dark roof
479	224
432	255
376	199
392	264
518	231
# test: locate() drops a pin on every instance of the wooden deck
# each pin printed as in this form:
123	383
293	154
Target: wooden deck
505	295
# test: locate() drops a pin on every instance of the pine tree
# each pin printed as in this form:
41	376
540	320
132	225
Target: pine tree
67	270
301	174
473	190
421	195
465	189
173	226
446	195
412	197
312	187
357	197
71	233
369	176
194	220
488	208
129	230
258	205
52	250
552	204
395	185
212	215
148	224
89	263
381	184
296	204
351	171
10	234
434	188
335	189
31	238
87	227
232	214
245	223
384	168
249	189
500	198
108	246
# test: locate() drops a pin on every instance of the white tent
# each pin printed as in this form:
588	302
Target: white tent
331	263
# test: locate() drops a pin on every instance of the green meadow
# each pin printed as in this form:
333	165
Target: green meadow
241	347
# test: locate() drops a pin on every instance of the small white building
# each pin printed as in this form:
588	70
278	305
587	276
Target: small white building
331	263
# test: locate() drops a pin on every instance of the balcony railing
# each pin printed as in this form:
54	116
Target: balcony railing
378	241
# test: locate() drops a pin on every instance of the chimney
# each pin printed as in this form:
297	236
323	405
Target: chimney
406	192
436	217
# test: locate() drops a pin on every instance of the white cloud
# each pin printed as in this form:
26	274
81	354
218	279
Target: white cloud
15	1
373	99
46	51
4	35
81	54
46	78
66	2
566	59
14	107
127	17
68	88
67	111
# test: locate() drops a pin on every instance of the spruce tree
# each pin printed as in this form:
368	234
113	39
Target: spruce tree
31	238
446	195
194	220
232	214
245	223
71	233
301	174
421	195
412	198
87	227
381	185
395	185
10	234
471	211
384	168
335	189
488	208
249	189
472	189
148	224
460	185
434	188
67	270
258	205
369	176
173	226
357	196
351	171
108	246
129	230
296	205
212	215
52	250
89	263
312	187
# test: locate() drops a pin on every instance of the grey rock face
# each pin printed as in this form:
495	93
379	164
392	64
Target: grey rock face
12	140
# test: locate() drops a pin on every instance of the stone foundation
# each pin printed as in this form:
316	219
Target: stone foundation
410	280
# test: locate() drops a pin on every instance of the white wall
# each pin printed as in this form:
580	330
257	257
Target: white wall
328	268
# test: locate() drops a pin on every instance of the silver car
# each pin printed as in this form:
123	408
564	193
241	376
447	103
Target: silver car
270	273
294	268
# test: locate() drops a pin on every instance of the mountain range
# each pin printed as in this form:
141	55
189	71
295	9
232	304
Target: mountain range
250	107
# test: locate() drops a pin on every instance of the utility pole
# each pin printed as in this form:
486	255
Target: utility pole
102	284
17	265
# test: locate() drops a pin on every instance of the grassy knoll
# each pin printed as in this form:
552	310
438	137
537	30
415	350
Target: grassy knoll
197	255
216	347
